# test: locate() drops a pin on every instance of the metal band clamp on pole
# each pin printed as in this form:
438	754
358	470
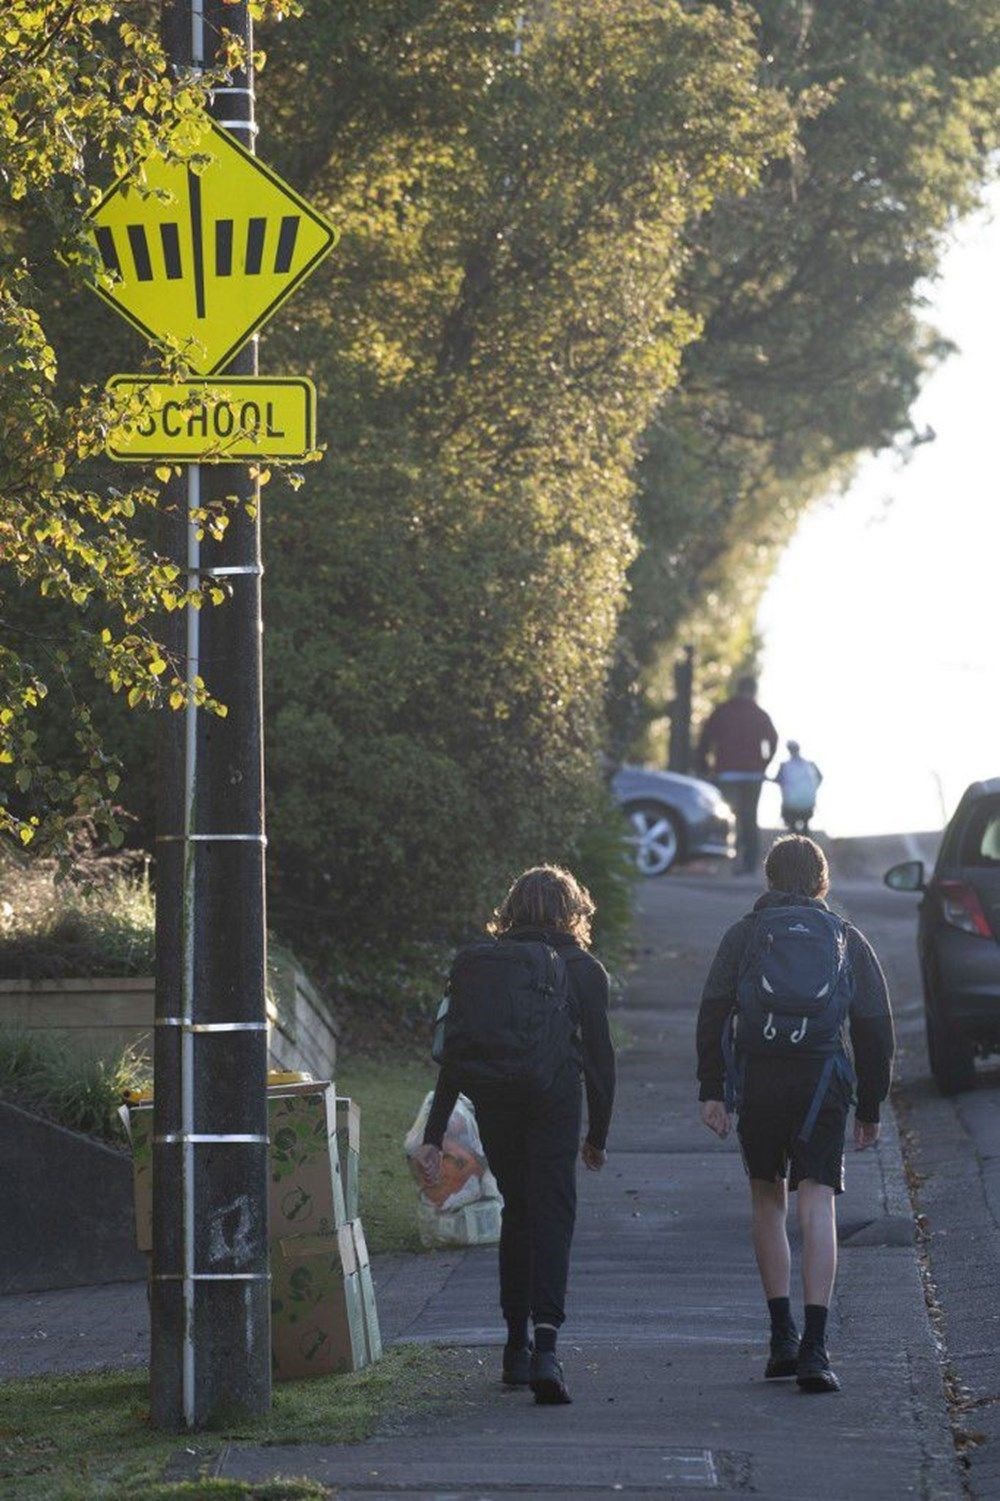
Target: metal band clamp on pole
256	569
212	1277
260	839
209	1139
180	1021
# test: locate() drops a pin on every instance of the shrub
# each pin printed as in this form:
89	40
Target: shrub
44	1074
91	916
603	862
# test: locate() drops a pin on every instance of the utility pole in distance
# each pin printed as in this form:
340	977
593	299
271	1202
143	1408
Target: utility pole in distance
210	1291
680	713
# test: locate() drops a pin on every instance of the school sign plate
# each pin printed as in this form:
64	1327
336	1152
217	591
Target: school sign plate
226	420
208	251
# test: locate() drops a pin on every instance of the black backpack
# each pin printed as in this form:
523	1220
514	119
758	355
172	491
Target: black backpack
507	1016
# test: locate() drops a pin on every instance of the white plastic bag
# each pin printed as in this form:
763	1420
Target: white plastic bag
475	1224
465	1182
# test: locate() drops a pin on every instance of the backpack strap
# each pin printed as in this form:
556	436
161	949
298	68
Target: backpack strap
836	1063
735	1066
819	1095
569	960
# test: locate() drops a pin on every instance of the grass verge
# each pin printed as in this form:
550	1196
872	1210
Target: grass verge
87	1437
390	1090
236	1490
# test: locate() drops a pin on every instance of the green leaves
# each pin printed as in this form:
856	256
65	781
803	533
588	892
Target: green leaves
85	94
626	236
814	349
494	333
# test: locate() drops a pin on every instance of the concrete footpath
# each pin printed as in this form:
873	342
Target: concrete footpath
666	1337
665	1341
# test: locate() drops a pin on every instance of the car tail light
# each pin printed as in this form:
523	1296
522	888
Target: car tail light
961	908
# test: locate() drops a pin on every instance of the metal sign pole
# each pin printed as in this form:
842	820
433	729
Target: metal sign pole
209	1300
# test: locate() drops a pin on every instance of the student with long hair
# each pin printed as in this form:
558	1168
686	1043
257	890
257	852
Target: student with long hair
526	1019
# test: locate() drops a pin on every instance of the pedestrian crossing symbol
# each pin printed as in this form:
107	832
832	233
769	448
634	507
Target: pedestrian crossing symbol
206	253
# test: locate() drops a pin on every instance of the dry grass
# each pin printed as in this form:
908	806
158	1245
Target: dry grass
87	913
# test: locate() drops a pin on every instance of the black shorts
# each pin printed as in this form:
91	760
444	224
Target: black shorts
776	1100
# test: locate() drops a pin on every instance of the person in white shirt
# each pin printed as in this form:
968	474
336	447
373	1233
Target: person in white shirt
799	781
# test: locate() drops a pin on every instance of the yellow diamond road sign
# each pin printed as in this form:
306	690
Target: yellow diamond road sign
203	257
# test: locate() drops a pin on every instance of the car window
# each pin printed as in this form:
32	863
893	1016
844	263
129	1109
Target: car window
981	836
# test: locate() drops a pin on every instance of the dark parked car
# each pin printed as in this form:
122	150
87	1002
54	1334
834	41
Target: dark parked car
959	937
673	818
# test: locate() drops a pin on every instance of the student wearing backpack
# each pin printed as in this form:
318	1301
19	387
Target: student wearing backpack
794	1024
525	1015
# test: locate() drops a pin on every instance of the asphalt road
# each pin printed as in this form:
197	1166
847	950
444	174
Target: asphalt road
952	1151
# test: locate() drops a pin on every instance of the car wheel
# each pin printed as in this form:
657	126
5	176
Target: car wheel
655	838
952	1057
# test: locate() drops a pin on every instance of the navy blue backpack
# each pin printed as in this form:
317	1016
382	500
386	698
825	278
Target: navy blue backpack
793	996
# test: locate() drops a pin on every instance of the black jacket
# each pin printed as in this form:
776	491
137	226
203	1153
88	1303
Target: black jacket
870	1021
588	982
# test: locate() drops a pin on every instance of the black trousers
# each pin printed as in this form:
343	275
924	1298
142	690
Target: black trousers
743	798
796	819
531	1142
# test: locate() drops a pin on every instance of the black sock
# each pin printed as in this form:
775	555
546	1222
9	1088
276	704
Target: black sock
545	1339
517	1332
782	1322
815	1325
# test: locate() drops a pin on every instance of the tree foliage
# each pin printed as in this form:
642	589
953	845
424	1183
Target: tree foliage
490	338
86	96
810	289
571	235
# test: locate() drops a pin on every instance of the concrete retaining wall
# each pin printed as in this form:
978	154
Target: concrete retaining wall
95	1016
103	1016
303	1033
66	1215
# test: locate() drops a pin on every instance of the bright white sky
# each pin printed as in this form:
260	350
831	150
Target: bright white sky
898	694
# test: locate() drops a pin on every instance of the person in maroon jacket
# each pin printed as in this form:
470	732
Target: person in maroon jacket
737	742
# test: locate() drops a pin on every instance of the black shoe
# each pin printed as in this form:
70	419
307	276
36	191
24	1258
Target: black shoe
813	1371
516	1366
784	1357
546	1380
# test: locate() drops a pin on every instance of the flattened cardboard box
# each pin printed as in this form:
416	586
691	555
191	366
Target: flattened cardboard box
349	1152
373	1334
317	1317
305	1192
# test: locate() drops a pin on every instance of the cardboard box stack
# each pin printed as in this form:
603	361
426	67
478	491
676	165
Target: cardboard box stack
323	1312
317	1316
373	1336
349	1151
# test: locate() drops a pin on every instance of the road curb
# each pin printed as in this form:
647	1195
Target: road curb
941	1475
